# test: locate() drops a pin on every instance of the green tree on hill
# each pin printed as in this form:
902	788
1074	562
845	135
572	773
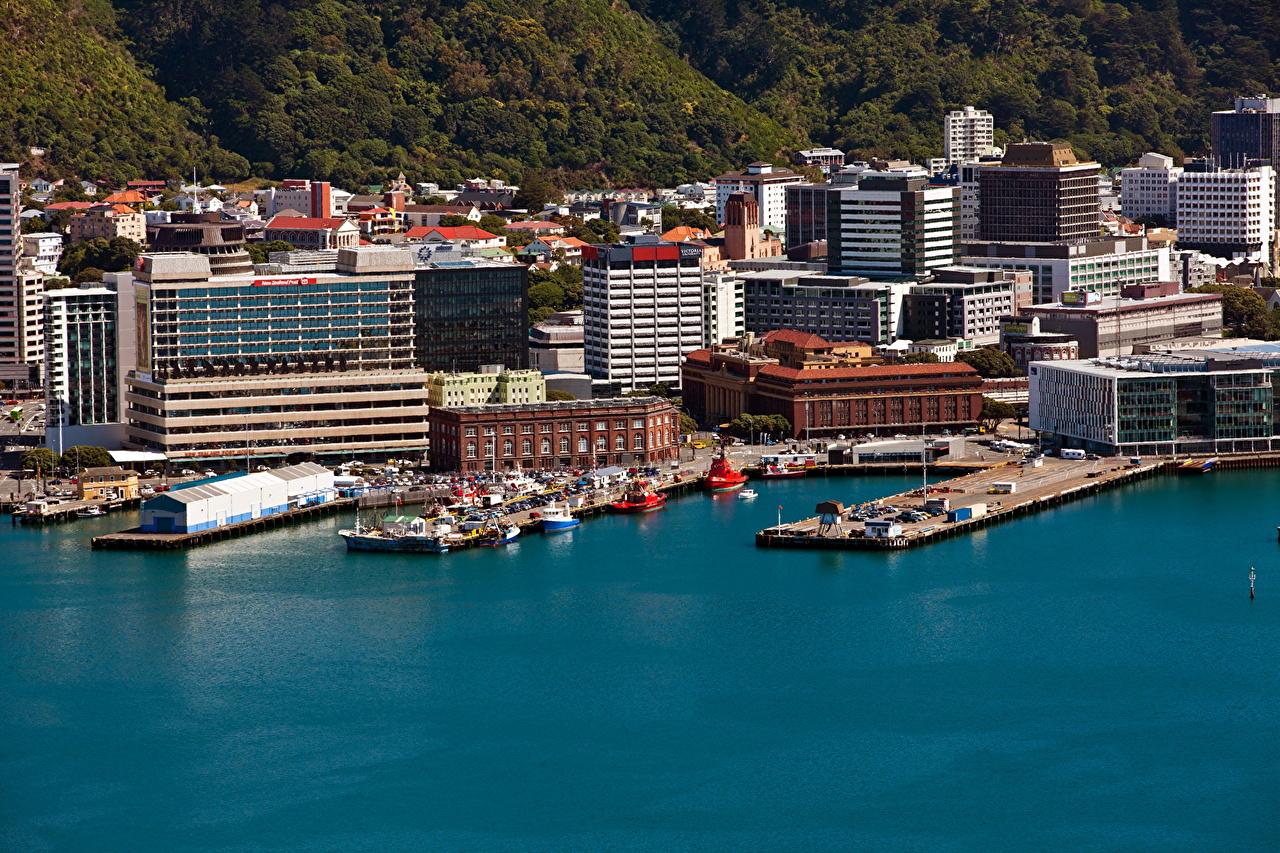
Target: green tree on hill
991	363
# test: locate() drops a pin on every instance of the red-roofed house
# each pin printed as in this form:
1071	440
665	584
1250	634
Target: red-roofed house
126	197
314	232
536	227
70	205
828	395
378	220
465	235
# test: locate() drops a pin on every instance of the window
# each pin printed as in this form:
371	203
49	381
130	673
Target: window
620	442
471	450
544	427
602	425
582	445
471	430
602	443
526	429
526	447
545	447
508	448
582	426
637	423
564	426
490	430
637	441
508	430
620	424
564	445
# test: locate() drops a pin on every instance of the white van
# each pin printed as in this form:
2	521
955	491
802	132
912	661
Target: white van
1072	454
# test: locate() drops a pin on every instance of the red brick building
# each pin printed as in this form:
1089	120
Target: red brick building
543	436
818	399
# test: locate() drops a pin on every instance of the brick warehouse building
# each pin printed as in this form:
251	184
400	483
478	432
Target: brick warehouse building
832	400
568	434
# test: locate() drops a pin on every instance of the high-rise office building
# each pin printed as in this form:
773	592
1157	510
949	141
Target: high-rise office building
806	214
468	312
1039	193
1247	135
1226	213
967	134
268	365
12	297
893	224
1149	190
768	183
642	304
81	382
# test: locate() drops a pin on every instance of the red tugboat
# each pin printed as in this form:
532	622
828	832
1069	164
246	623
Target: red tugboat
721	476
639	498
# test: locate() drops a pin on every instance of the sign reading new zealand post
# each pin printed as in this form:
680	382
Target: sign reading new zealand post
283	282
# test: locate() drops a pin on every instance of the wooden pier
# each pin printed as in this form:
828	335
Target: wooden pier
1053	483
137	540
65	510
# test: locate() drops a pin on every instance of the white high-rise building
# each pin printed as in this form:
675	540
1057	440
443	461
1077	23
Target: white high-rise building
967	134
892	224
642	311
768	183
1149	190
1227	213
724	313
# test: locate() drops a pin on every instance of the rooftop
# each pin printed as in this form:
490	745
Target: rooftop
555	406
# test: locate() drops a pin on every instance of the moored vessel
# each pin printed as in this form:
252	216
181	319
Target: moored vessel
403	534
558	518
722	477
779	472
639	498
748	494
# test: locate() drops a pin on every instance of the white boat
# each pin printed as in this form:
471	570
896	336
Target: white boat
748	495
558	518
90	512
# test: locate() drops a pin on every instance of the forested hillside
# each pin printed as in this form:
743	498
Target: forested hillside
599	91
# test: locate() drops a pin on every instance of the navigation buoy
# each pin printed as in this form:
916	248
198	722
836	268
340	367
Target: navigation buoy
1253	576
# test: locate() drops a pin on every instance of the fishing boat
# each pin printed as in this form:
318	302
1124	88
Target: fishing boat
558	518
1198	466
403	534
500	535
721	476
90	512
780	472
748	495
639	498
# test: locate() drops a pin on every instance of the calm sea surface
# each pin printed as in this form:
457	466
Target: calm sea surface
1094	677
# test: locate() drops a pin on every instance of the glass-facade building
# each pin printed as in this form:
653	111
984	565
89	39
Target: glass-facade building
81	356
468	313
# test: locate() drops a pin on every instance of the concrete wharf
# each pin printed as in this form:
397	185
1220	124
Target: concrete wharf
1006	490
138	540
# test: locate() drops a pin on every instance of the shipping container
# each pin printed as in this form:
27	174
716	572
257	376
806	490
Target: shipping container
960	513
1072	454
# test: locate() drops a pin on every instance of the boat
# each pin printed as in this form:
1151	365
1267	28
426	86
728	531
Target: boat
501	535
558	518
90	512
779	472
1198	466
402	534
639	498
748	494
721	476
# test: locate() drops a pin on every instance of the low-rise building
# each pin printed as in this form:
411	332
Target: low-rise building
493	384
108	221
463	235
108	483
1141	317
556	344
558	435
821	391
826	159
314	232
43	249
965	303
1104	266
1183	402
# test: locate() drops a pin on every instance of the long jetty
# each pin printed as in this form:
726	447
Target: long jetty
1001	492
139	540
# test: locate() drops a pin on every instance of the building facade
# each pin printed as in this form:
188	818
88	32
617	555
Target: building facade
43	250
963	303
469	312
1103	266
724	312
492	385
555	436
82	382
1178	402
806	214
1149	190
767	183
1039	193
893	224
315	233
967	134
826	400
241	366
1248	135
556	345
107	222
1115	326
1227	213
642	307
837	307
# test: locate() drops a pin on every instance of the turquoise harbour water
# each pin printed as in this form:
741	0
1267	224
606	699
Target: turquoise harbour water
1093	677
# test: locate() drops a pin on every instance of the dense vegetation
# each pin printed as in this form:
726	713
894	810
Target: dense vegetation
71	87
875	76
598	91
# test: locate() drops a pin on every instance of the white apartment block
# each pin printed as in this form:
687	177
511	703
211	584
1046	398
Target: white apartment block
971	196
768	183
642	311
1149	190
724	311
1228	213
967	134
21	304
893	224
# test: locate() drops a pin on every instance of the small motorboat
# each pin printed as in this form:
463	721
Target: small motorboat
780	472
557	518
748	494
89	512
501	535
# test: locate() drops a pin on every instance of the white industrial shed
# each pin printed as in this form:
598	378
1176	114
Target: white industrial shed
242	497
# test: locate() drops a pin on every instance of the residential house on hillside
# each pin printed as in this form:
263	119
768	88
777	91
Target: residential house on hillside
431	214
464	235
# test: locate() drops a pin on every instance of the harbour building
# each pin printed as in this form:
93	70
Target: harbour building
267	365
1188	402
